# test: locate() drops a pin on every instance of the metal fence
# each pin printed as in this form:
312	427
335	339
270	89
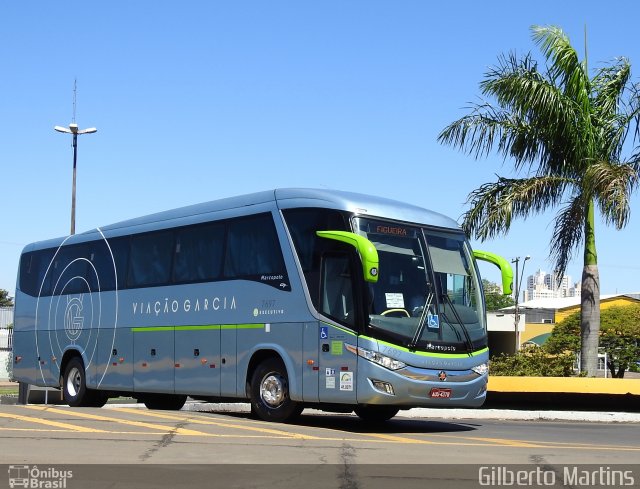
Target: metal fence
6	332
6	317
6	339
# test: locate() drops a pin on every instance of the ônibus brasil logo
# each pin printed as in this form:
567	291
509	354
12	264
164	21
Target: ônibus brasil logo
34	477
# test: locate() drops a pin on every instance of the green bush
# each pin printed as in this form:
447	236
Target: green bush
533	362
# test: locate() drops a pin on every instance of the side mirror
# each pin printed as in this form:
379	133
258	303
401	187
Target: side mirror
502	264
364	247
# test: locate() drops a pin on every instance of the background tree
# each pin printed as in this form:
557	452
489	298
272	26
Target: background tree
619	337
565	133
494	298
5	300
533	362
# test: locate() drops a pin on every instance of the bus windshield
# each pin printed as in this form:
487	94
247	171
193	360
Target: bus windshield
428	295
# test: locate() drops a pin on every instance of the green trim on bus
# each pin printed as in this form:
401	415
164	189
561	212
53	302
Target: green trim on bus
195	327
366	250
429	354
505	268
342	330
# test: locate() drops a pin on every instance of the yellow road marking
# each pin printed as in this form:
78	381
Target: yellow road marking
153	426
47	422
196	420
44	430
269	433
505	442
399	439
539	444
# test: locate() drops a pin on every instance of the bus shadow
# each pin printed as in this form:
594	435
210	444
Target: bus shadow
352	424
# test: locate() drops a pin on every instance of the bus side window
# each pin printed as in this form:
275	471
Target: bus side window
337	297
150	262
34	279
199	253
119	247
253	248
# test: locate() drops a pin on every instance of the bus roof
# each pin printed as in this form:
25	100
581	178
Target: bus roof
362	204
285	198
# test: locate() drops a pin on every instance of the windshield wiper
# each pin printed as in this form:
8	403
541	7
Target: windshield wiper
460	322
422	321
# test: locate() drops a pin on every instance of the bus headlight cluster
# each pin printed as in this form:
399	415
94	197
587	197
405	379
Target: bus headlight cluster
375	357
481	369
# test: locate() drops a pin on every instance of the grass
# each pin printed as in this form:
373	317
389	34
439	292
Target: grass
9	391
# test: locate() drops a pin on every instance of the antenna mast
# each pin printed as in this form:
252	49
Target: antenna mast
75	88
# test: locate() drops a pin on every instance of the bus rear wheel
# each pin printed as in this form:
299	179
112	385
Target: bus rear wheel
74	387
269	391
166	402
376	414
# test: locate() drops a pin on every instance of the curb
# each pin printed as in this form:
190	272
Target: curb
425	414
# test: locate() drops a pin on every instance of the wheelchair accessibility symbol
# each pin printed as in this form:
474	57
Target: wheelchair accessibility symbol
324	332
433	321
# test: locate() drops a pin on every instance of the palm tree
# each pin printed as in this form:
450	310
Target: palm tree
565	133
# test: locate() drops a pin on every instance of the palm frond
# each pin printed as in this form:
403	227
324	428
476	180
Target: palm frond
519	87
612	185
494	205
609	85
615	105
567	233
487	126
564	67
535	124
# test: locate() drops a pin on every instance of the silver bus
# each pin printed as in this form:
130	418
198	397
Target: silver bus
288	298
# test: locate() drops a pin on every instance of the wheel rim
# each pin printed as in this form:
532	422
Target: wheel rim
273	390
74	381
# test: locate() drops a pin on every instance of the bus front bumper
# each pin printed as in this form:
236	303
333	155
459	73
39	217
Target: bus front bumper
414	387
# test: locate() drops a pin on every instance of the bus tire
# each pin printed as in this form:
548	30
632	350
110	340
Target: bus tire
166	402
269	391
376	414
74	385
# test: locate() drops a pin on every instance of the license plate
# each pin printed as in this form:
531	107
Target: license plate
440	393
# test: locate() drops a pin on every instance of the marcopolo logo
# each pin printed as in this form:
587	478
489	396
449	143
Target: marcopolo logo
34	477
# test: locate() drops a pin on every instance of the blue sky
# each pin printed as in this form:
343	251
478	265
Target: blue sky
195	101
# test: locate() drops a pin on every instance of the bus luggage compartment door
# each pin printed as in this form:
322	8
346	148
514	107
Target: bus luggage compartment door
153	351
197	367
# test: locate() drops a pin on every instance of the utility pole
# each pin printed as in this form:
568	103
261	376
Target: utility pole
516	260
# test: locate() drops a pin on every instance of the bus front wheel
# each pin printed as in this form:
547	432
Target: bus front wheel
269	390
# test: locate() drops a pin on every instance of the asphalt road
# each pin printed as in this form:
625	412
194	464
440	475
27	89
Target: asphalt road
329	450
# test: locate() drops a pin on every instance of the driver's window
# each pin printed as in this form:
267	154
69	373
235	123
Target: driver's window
337	298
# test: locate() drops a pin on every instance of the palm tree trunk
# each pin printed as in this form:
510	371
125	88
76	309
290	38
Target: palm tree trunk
590	300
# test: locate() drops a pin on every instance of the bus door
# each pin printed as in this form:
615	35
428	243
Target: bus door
337	302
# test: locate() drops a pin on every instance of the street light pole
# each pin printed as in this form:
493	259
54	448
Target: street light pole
516	260
74	131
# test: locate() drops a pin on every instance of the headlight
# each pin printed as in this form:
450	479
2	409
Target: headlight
481	369
375	357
